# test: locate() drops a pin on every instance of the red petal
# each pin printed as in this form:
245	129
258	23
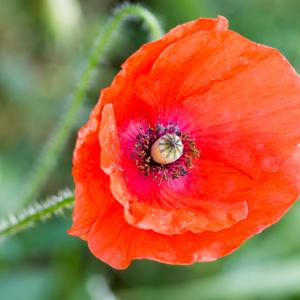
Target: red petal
212	197
91	184
237	103
116	242
141	61
121	92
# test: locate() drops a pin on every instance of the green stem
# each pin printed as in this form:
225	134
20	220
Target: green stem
48	157
38	212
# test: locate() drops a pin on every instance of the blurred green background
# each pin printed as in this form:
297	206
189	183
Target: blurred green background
44	44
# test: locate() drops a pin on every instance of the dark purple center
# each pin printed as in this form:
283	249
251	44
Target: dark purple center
148	167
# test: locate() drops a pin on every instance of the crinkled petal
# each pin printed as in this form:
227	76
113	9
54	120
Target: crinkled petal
117	243
141	61
121	92
210	198
91	183
232	96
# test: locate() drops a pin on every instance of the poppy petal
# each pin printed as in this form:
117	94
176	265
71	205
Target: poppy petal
208	199
122	95
92	185
253	128
114	241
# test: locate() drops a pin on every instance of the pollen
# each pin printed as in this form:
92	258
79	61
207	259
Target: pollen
167	149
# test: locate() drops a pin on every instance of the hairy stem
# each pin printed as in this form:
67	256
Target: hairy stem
37	212
57	141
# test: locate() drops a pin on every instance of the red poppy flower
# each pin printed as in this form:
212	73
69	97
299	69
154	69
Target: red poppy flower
193	149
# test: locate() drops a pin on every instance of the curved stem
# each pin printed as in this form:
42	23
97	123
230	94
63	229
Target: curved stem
38	212
48	157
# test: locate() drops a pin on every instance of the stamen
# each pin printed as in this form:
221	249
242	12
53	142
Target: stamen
164	152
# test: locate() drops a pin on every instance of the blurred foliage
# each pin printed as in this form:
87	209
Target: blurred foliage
44	44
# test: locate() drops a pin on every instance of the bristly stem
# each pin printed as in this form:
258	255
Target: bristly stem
54	205
57	141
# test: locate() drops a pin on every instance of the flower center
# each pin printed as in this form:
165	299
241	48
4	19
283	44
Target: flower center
164	152
167	149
